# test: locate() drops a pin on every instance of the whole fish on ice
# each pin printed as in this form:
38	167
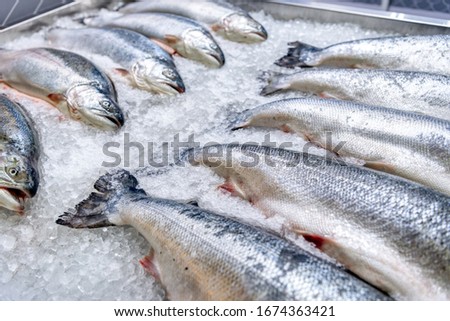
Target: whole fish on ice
391	232
66	80
413	53
183	35
406	144
409	91
19	153
199	255
150	67
224	18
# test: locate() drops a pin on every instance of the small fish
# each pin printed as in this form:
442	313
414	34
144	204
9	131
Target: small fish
418	92
183	35
411	53
19	153
406	144
224	18
391	232
199	255
150	67
67	81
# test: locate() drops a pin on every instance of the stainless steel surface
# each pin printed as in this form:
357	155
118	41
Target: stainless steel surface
364	16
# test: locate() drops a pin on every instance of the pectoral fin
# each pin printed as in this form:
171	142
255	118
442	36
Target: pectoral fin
380	166
149	264
56	99
122	72
165	45
216	27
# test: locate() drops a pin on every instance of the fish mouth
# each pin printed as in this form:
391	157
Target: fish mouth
215	59
13	199
258	36
180	89
106	122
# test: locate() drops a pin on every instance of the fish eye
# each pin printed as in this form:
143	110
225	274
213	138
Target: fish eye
106	104
14	171
169	74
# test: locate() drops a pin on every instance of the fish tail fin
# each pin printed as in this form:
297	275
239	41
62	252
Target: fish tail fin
99	209
273	82
297	55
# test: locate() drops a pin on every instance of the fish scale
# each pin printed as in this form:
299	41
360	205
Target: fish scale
228	20
410	145
187	37
66	80
150	66
391	232
411	53
418	92
199	255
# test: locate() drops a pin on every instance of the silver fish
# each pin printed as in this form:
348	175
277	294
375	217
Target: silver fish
409	91
199	255
150	67
19	153
66	80
224	18
185	36
391	232
413	53
413	146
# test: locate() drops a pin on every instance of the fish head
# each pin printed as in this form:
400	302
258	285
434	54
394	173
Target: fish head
241	27
93	106
200	46
19	180
158	76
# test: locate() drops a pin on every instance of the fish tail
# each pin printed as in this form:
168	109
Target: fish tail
99	209
273	82
297	55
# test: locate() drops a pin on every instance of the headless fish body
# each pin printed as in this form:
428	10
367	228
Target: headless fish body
391	232
19	153
227	20
185	36
66	80
414	146
409	91
150	67
199	255
413	53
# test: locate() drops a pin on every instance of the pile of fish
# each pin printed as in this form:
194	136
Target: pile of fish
383	219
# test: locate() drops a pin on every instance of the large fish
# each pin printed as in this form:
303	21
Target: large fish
66	80
391	232
185	36
199	255
224	18
414	146
409	91
413	53
19	153
150	67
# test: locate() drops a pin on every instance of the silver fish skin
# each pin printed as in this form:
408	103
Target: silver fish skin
224	18
410	145
19	154
66	80
150	67
412	53
199	255
188	38
418	92
389	231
